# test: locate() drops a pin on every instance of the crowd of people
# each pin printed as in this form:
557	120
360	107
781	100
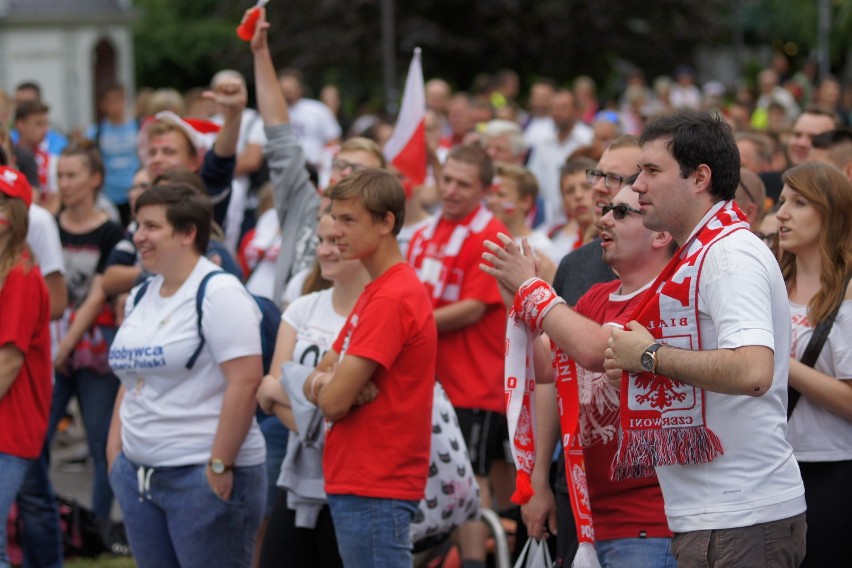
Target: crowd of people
675	260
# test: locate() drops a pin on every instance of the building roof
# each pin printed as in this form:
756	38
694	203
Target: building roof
51	11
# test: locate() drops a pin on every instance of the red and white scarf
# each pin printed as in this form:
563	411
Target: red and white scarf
568	399
435	262
662	419
534	299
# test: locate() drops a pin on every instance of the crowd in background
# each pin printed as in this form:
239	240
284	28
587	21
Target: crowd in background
268	173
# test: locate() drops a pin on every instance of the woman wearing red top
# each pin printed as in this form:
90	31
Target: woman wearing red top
25	364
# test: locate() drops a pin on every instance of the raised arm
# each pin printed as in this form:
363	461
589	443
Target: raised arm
270	99
231	97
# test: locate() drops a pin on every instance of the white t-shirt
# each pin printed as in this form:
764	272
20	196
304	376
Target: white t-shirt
294	287
816	434
43	238
169	415
541	244
742	301
262	254
564	243
546	158
314	126
317	325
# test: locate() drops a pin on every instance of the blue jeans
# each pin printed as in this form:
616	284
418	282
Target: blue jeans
96	394
12	472
372	532
41	538
635	553
276	436
175	520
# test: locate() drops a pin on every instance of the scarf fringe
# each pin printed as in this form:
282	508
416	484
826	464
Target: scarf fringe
523	488
586	556
639	451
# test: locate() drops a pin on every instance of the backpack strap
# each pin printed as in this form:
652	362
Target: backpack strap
141	292
199	300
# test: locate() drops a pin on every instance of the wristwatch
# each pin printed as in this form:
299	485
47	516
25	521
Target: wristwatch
218	467
649	357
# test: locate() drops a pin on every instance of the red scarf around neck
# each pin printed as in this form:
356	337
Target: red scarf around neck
662	419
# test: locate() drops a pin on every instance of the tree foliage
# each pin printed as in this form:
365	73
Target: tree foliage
797	22
182	43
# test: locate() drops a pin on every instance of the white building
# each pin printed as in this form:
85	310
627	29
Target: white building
68	47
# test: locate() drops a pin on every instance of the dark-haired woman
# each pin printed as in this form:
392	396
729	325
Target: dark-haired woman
185	450
87	237
815	241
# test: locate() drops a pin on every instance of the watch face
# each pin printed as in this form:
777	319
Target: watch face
217	466
647	361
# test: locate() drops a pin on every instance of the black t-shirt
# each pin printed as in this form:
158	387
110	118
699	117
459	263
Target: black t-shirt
85	255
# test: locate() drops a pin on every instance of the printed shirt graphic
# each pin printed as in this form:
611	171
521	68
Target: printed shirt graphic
316	324
471	381
621	509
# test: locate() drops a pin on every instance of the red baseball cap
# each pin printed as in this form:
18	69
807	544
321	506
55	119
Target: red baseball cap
14	184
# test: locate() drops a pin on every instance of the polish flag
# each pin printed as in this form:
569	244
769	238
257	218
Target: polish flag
406	148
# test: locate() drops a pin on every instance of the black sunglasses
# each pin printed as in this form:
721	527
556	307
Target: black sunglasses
619	211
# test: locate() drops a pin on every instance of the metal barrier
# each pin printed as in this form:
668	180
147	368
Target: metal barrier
502	559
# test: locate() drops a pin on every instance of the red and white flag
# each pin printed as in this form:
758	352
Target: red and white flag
406	148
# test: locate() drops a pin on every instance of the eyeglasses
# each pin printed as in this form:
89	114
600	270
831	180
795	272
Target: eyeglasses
611	181
768	238
619	211
340	165
140	186
750	196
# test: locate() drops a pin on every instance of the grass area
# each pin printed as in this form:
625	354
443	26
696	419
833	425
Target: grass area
104	561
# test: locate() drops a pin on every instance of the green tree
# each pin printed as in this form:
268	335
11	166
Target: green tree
183	43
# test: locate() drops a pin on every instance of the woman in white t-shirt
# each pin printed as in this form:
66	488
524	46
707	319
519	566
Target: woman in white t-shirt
815	242
300	527
185	453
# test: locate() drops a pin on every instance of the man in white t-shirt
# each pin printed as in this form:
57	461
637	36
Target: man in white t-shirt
313	122
734	481
549	153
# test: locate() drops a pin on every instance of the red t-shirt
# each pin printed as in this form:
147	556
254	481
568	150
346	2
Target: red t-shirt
620	509
470	360
381	449
24	323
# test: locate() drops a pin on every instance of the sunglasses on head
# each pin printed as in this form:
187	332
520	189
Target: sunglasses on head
619	211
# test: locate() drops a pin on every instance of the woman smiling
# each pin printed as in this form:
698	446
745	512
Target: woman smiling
185	451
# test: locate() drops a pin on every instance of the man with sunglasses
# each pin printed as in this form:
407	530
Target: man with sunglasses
577	272
627	516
